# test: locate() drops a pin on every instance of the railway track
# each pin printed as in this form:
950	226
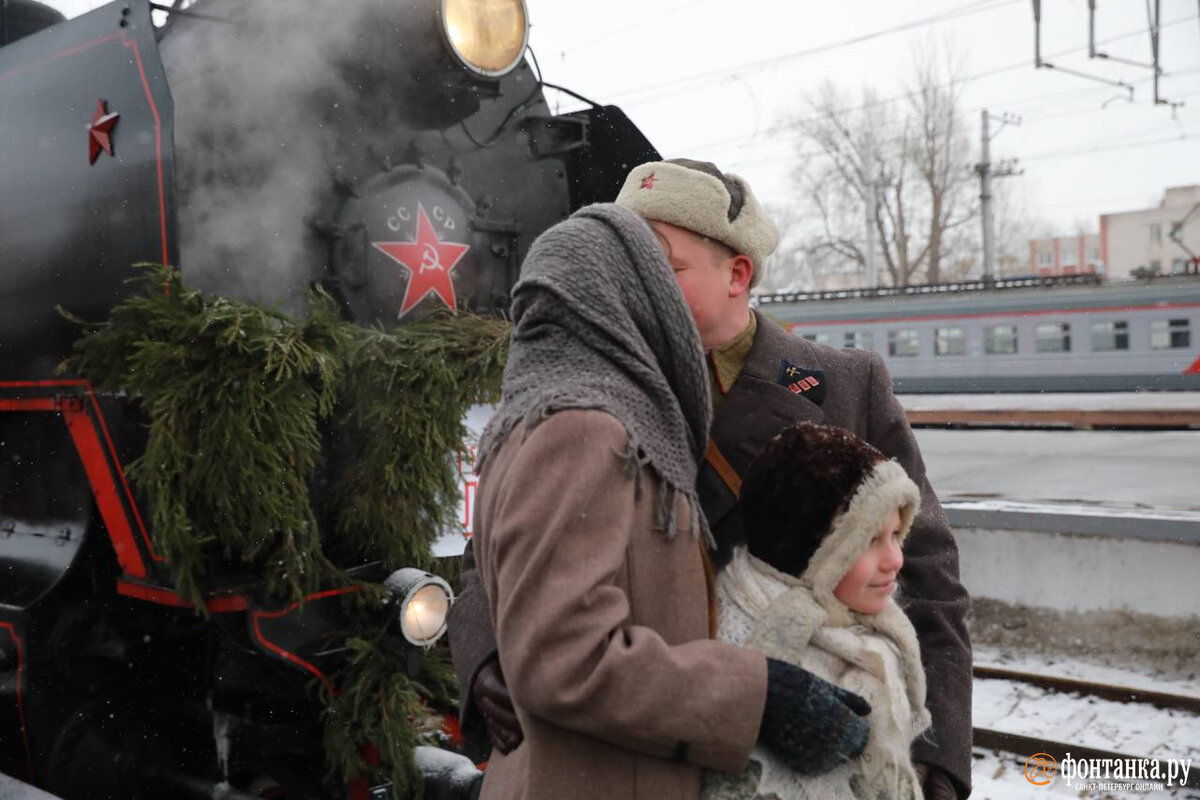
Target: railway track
1105	691
1025	746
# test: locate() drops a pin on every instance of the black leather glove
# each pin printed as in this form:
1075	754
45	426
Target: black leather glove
811	724
495	704
935	782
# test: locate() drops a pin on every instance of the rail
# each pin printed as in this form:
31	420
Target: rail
1026	746
1029	745
1104	691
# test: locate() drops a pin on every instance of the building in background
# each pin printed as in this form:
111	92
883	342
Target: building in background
1065	255
1142	241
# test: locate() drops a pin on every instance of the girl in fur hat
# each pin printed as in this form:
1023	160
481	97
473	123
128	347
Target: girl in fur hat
826	516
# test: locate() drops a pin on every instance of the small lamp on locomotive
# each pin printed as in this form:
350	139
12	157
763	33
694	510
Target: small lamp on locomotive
423	600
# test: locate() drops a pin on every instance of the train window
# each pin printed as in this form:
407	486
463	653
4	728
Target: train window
1110	336
904	343
1000	340
1167	334
949	342
858	340
819	338
1052	337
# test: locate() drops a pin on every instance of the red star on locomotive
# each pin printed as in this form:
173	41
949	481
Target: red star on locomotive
428	260
100	132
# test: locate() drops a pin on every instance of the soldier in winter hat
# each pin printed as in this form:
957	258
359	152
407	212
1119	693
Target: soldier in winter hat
698	197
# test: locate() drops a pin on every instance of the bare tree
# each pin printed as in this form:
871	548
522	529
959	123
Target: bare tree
897	169
940	151
787	269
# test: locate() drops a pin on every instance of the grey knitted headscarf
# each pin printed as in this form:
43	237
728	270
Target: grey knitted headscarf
600	323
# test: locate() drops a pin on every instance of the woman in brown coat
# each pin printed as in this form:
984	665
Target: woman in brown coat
589	543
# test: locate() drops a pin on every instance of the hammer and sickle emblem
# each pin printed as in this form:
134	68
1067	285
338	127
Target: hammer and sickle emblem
429	259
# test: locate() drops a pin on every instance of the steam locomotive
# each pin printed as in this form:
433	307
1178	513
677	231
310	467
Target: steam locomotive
398	153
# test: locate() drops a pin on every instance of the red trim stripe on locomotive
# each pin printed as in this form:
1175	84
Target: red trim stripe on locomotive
120	471
218	604
99	464
137	55
12	631
286	655
162	197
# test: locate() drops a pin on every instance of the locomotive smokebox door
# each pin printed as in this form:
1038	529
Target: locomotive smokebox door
406	245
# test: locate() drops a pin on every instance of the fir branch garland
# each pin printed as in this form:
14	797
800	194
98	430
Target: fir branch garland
235	395
246	408
408	391
378	703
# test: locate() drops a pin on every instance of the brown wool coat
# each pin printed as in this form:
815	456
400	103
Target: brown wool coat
603	625
858	397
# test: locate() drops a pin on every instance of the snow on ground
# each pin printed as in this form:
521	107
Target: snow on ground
1155	471
1135	651
1108	511
1132	729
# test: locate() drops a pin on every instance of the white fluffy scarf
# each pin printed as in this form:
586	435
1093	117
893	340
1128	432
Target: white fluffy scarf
875	655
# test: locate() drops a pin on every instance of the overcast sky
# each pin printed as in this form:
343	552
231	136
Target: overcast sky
713	79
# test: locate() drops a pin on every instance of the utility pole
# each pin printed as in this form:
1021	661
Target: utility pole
986	173
869	203
870	189
872	273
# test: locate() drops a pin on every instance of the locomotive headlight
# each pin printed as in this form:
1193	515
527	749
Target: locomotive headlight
487	36
424	602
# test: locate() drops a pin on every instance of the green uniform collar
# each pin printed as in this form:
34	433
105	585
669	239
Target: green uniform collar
725	362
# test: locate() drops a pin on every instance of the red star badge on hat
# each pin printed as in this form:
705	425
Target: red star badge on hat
100	131
428	260
648	181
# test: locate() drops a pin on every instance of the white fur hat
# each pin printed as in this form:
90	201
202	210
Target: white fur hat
698	196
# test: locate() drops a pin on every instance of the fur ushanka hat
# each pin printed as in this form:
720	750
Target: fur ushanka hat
696	195
816	496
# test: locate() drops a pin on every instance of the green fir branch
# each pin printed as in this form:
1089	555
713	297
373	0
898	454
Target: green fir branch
263	429
407	394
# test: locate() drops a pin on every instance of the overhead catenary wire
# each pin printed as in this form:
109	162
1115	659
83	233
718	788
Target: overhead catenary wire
636	24
968	79
1101	147
705	78
647	93
743	139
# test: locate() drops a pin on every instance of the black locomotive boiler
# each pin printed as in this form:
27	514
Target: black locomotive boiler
400	154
